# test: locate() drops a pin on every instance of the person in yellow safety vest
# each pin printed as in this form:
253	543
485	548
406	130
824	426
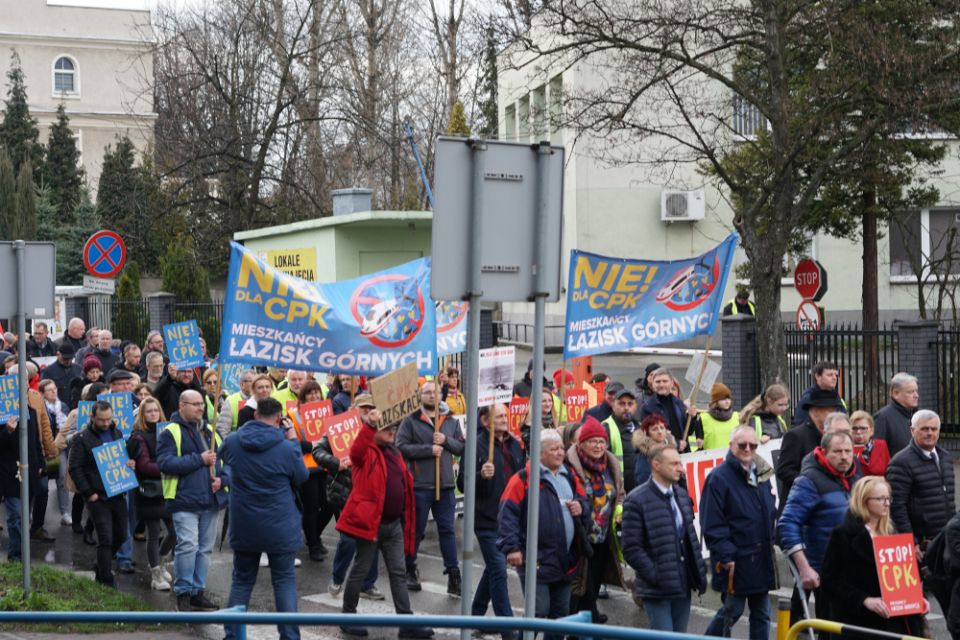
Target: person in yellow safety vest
717	423
288	395
230	409
740	305
765	412
620	426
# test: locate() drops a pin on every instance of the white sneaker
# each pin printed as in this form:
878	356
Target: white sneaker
157	583
297	562
264	560
66	520
334	589
166	574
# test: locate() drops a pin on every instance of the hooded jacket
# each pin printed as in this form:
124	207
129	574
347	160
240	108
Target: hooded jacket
415	441
267	468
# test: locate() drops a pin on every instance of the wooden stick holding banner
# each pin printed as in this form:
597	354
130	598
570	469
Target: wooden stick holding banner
691	399
493	436
436	429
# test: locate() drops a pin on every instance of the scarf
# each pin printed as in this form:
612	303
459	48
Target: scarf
601	494
721	414
844	478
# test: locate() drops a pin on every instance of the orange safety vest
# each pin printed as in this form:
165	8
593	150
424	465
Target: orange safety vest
307	457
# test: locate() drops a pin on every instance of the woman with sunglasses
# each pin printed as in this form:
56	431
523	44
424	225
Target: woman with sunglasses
849	574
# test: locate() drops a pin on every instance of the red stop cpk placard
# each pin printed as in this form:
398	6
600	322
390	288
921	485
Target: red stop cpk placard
899	574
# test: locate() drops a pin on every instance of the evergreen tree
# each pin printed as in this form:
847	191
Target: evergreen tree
61	172
458	121
18	130
130	324
25	222
70	268
488	121
128	284
181	274
8	196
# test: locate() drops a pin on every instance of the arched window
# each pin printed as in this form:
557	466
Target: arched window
64	75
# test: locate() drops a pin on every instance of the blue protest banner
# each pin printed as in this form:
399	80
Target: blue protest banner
451	327
230	376
9	397
183	344
366	326
615	304
112	464
84	413
122	404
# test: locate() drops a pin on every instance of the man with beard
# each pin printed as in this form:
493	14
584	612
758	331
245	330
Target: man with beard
420	445
668	406
620	427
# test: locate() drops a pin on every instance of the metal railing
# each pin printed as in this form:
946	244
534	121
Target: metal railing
844	630
948	389
126	319
521	333
578	624
209	317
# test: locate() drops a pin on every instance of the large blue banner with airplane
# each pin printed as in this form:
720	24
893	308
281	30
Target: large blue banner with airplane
615	304
366	326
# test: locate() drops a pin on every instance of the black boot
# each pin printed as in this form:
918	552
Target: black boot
454	582
413	579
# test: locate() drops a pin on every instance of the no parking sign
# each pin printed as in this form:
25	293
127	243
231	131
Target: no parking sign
104	254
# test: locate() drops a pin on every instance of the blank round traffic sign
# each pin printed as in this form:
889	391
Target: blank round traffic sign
104	254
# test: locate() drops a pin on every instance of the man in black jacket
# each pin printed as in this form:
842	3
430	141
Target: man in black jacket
109	514
801	440
921	479
39	346
825	377
10	475
892	423
75	334
491	480
63	372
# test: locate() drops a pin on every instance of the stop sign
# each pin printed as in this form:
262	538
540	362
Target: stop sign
810	280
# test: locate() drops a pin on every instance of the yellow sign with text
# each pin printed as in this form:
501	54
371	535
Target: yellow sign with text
300	263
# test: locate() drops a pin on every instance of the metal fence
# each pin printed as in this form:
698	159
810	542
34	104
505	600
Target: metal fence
209	317
948	391
126	319
866	361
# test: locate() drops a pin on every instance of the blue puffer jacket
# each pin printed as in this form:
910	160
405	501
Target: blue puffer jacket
737	519
194	488
651	547
817	504
266	468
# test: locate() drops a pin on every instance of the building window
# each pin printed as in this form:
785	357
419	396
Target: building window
747	119
65	76
925	243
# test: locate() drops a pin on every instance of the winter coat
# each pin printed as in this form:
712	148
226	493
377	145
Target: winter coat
168	391
815	506
849	576
801	415
642	444
341	402
63	377
36	350
489	491
874	458
794	447
364	509
555	561
83	466
651	547
265	468
108	359
194	486
10	457
600	411
339	481
653	407
923	495
737	521
892	423
142	447
76	389
415	441
768	424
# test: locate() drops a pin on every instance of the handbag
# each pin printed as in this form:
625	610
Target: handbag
151	488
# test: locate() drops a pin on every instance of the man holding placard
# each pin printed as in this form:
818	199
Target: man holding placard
10	455
109	513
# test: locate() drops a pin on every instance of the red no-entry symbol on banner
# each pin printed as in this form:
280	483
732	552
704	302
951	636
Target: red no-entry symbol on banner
104	254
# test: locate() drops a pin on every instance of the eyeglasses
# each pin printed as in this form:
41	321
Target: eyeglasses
743	446
193	404
884	499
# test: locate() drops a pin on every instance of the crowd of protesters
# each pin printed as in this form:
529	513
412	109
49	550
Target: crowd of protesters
615	506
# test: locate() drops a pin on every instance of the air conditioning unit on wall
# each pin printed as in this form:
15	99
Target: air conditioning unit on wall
681	206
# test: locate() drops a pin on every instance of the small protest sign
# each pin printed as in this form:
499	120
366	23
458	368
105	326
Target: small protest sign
495	380
122	404
518	411
341	430
84	413
577	401
312	417
711	371
230	373
9	397
899	574
183	344
112	464
396	394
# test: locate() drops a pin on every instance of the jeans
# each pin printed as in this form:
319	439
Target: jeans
13	528
390	542
39	502
246	564
444	511
196	533
125	553
668	614
343	556
110	519
731	611
493	582
553	601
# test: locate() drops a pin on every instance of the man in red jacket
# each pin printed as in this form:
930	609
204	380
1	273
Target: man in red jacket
380	511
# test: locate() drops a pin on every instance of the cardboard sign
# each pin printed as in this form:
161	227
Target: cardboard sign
122	404
899	574
9	397
495	384
396	394
577	404
711	371
341	431
112	464
183	344
518	411
312	417
84	413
